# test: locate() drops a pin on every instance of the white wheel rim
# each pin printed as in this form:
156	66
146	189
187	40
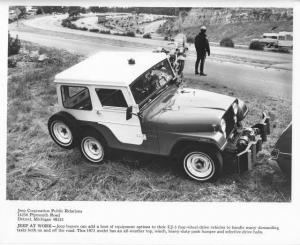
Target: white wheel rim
92	149
62	133
199	165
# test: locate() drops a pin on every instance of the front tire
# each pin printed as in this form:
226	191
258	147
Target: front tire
202	164
93	146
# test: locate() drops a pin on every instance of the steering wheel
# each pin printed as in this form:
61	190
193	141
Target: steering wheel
142	90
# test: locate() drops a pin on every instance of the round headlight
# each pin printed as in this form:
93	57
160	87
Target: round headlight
235	108
223	125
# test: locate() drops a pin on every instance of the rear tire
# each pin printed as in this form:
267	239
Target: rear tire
62	130
201	163
93	146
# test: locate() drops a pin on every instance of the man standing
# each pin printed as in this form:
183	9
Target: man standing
202	47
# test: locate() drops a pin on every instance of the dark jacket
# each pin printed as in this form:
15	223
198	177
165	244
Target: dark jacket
201	44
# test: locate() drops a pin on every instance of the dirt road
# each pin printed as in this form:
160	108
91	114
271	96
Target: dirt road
264	73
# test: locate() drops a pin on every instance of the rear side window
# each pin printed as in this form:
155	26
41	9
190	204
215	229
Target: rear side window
289	37
76	97
111	97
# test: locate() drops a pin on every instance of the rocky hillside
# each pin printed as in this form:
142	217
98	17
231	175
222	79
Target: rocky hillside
212	16
239	24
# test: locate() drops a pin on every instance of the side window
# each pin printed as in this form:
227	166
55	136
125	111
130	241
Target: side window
289	37
111	97
76	97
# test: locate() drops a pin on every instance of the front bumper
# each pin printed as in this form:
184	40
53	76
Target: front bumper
245	143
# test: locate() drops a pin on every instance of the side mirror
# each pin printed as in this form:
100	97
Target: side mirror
129	112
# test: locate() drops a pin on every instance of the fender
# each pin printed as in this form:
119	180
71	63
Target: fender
168	140
66	115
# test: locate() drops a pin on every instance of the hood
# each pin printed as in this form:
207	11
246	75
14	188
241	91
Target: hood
187	110
186	98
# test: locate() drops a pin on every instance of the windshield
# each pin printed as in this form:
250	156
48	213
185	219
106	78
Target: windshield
151	81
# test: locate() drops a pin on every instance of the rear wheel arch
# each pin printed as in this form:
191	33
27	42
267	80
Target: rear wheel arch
66	115
84	128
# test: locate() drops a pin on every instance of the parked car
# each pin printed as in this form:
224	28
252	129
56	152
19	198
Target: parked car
134	101
282	152
278	41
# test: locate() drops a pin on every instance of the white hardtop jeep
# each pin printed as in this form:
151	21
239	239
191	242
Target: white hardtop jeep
134	101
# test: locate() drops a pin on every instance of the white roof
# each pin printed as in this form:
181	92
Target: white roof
270	34
110	68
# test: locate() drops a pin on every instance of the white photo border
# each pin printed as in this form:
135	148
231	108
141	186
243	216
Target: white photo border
284	215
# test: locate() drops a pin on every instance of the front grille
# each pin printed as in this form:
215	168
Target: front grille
229	119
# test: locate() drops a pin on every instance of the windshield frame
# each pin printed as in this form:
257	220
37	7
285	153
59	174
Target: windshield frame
159	90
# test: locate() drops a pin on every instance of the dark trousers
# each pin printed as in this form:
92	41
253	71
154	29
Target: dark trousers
201	60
